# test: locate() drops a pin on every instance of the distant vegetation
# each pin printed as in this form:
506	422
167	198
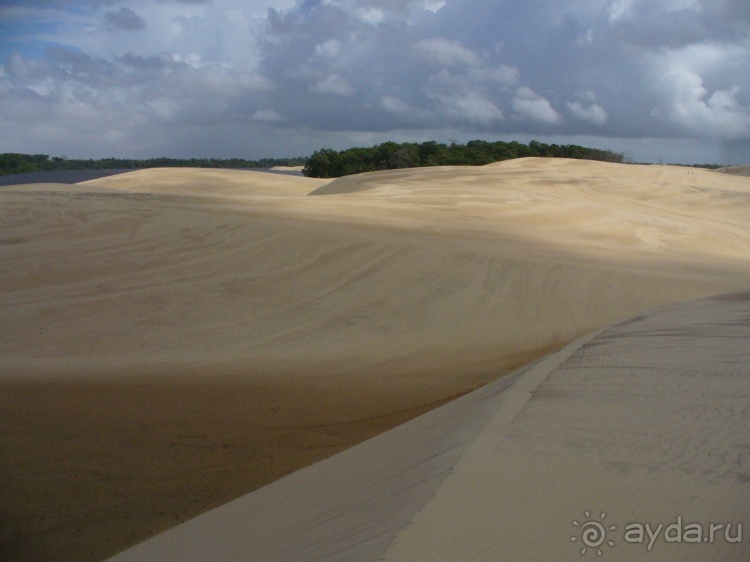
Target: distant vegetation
11	163
704	166
327	163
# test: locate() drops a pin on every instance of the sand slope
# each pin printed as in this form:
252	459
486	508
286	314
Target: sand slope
644	422
383	293
737	170
577	206
424	268
207	182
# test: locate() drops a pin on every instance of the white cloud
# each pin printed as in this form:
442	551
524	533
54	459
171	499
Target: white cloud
191	59
594	113
461	99
531	105
586	38
433	6
330	48
394	105
698	58
694	97
690	105
447	52
376	12
5	82
619	9
373	16
476	109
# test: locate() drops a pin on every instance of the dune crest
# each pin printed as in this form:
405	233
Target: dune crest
207	182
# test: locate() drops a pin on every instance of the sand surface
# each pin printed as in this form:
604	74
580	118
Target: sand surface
737	170
174	338
643	423
295	169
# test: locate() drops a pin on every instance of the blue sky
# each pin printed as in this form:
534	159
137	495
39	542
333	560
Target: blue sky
659	79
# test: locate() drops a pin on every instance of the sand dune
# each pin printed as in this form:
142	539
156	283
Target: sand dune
736	170
643	423
315	321
579	206
207	182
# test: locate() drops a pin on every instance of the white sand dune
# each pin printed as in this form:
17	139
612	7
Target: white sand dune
426	282
464	270
584	207
645	422
207	182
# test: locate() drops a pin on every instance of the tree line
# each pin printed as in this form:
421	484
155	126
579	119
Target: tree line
328	163
13	163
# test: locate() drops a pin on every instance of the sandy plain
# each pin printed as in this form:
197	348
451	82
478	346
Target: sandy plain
172	339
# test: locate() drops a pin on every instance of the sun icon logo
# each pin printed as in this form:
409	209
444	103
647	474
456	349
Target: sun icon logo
593	534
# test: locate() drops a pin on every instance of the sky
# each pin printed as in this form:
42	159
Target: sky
661	80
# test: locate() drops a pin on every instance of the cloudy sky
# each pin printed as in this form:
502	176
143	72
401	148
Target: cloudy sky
660	79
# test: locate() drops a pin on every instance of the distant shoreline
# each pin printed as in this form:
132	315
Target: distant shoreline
76	176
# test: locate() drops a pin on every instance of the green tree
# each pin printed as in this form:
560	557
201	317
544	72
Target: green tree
324	163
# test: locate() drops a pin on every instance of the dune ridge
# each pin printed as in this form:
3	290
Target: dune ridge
331	315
